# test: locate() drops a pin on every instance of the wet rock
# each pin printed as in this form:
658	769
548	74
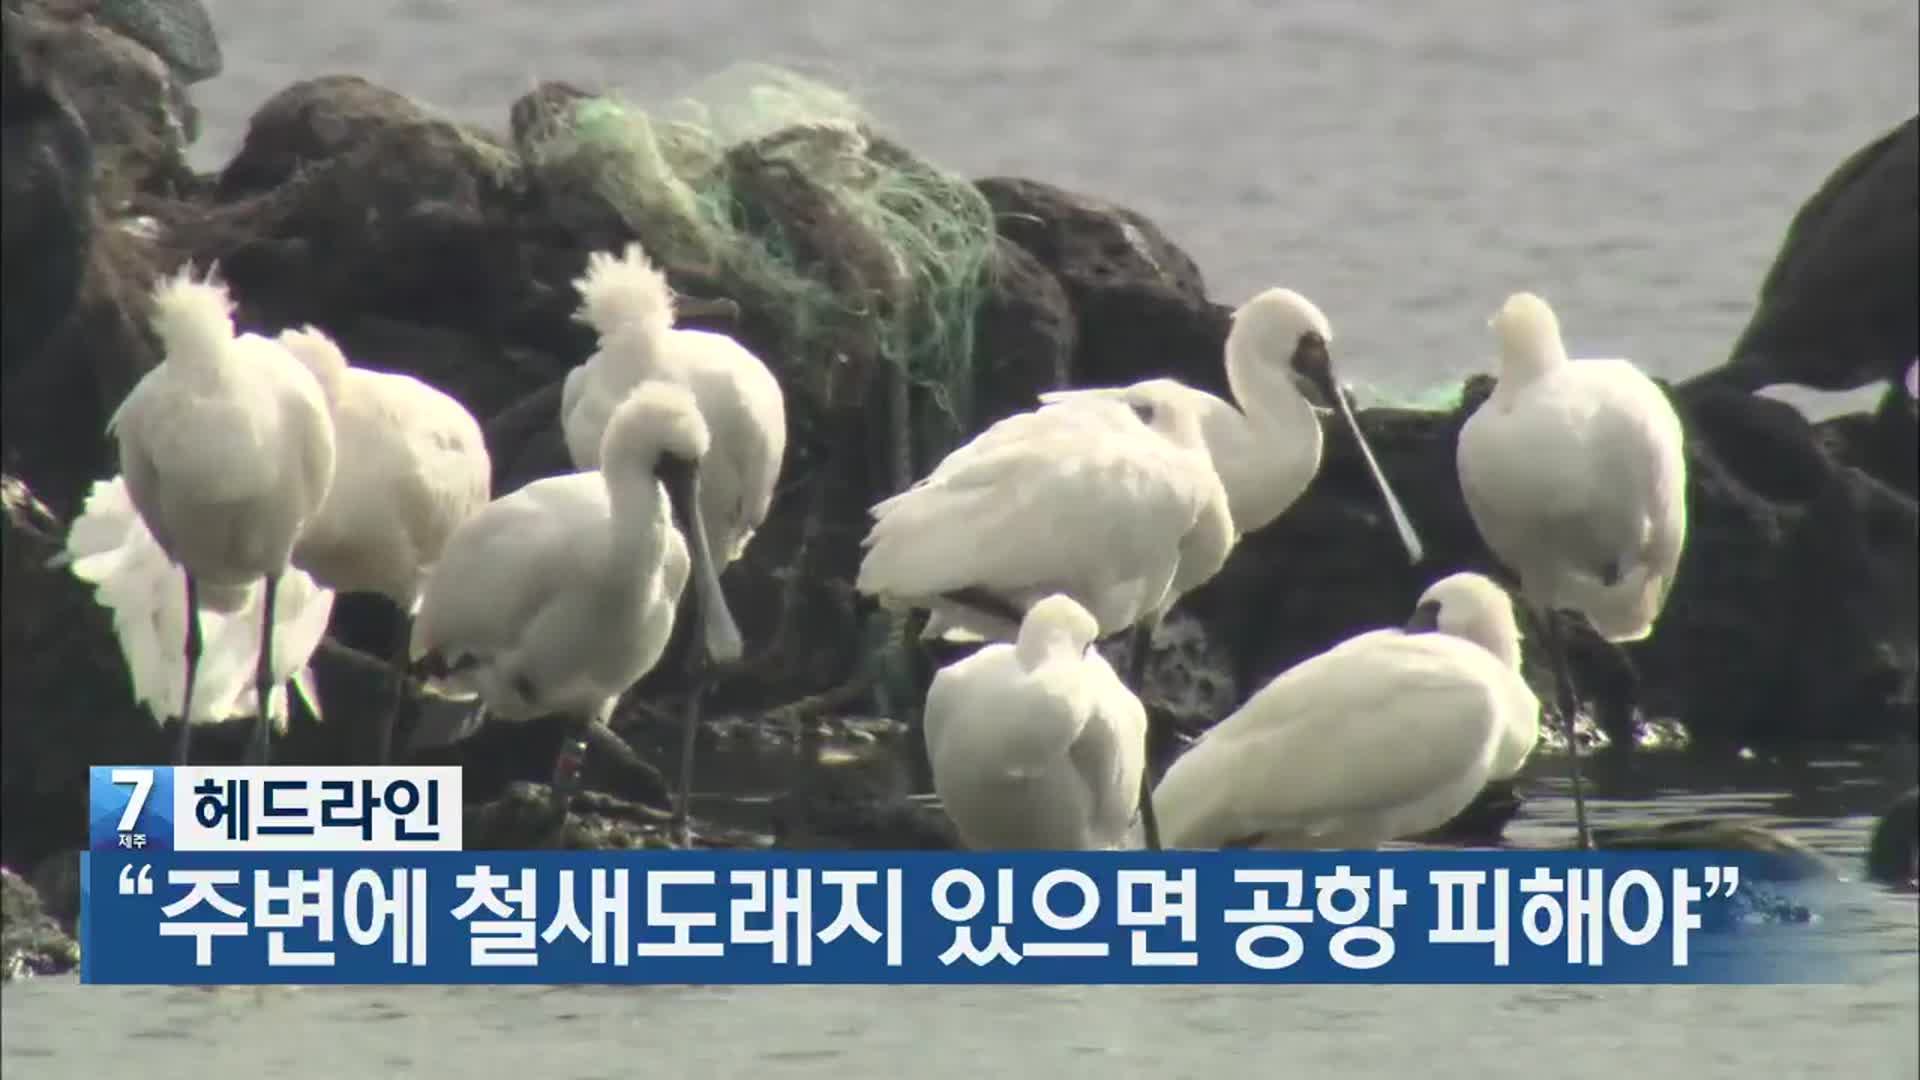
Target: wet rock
1141	303
31	942
1837	310
521	818
1788	859
46	198
134	109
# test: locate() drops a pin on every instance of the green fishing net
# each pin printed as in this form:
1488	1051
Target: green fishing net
779	187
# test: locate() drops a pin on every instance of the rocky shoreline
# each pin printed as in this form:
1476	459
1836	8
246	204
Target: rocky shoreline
445	251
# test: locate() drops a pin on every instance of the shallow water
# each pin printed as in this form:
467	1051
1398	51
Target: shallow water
1406	164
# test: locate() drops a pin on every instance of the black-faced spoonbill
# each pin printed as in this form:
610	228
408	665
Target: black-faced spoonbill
558	597
1108	499
1267	450
629	305
227	448
109	547
1575	474
1037	743
411	466
1386	735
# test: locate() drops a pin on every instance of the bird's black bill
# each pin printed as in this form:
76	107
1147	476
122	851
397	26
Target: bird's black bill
1426	618
681	478
1313	371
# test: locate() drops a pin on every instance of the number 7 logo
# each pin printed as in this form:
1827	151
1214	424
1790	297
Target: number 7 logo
142	782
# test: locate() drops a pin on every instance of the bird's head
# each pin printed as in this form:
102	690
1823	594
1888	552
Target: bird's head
1473	607
1282	326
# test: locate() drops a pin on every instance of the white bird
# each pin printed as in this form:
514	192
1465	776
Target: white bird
558	597
109	547
627	302
1575	474
227	449
412	465
1386	735
629	305
1267	451
1038	744
1110	500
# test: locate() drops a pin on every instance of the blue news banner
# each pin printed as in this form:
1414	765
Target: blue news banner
369	892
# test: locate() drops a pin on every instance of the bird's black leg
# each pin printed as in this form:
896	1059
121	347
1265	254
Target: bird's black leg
193	670
568	763
1138	652
697	671
387	731
263	676
1568	706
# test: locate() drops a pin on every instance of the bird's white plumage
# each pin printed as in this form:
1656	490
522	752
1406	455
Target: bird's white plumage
1081	498
227	446
627	301
1575	474
1037	743
559	596
110	548
412	464
1385	735
1268	448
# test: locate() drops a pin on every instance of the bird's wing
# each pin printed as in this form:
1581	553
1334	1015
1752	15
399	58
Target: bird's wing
747	413
1534	488
305	420
584	411
133	578
1374	721
505	562
432	454
213	448
1111	752
1037	504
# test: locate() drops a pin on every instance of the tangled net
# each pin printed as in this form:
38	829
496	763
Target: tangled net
778	187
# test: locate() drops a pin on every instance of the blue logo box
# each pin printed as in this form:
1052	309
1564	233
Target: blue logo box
130	808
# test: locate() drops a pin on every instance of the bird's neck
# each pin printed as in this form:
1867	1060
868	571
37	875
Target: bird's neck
1527	361
1268	447
643	351
639	517
1038	645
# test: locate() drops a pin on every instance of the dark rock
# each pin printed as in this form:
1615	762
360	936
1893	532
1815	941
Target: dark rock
1837	310
66	701
1142	305
31	943
46	209
179	32
1884	444
56	407
1024	336
1787	859
136	112
57	879
346	201
1893	852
